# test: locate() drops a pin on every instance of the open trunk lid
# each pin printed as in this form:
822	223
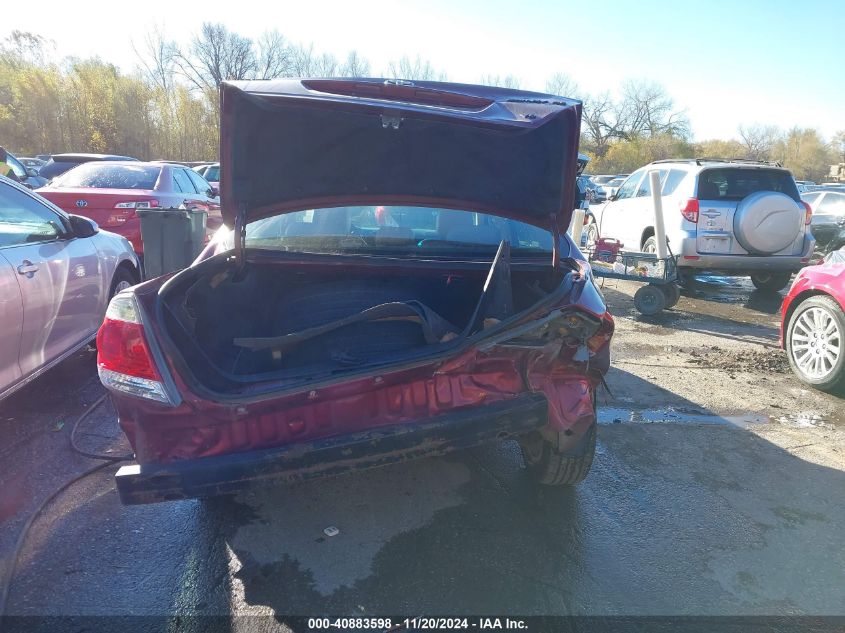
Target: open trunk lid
289	145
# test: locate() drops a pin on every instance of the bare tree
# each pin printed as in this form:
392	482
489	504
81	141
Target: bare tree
406	68
274	57
355	66
758	140
602	121
562	85
647	109
216	54
508	81
26	47
307	63
156	57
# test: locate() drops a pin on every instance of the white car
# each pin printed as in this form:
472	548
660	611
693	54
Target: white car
727	216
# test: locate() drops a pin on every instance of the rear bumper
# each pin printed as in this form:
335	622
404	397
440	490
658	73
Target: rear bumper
691	258
210	476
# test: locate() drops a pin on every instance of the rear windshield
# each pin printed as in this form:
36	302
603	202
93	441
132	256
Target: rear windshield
54	168
735	184
396	230
99	176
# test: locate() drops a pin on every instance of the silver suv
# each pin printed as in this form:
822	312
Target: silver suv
728	216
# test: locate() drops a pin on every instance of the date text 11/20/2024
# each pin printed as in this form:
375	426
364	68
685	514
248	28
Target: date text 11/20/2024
418	623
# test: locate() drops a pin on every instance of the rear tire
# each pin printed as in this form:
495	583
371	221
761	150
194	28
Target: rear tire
672	293
649	300
774	282
549	467
591	234
810	338
123	279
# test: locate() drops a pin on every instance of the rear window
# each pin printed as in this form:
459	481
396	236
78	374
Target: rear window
98	176
396	230
54	168
735	184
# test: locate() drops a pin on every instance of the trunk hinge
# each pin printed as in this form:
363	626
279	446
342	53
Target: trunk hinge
240	234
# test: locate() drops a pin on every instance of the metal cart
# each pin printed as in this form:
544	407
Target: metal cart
660	276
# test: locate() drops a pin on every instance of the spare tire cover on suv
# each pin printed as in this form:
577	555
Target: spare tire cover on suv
766	222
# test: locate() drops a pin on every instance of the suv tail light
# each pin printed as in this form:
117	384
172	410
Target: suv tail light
689	210
808	213
124	361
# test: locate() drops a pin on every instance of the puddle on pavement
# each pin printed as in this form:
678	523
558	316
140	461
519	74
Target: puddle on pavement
670	415
805	420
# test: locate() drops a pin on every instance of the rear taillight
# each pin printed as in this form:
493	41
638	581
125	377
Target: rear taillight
124	361
122	217
573	328
689	209
138	204
808	213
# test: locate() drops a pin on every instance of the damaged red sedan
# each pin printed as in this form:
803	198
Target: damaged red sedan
398	283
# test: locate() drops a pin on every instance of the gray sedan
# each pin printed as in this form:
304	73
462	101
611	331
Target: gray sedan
57	274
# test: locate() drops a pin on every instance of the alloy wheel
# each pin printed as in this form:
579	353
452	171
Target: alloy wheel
816	343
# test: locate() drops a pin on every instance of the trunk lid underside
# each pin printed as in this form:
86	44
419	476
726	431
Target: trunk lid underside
292	145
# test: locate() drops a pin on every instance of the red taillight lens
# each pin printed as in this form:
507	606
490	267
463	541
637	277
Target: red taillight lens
122	347
124	361
122	217
808	213
152	203
689	210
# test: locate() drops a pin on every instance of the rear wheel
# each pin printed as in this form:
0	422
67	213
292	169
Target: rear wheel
548	466
649	300
672	293
771	281
591	234
815	343
123	279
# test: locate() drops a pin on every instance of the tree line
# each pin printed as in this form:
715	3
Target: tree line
168	107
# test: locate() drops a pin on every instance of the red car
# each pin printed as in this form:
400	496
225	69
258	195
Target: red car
398	283
110	193
813	324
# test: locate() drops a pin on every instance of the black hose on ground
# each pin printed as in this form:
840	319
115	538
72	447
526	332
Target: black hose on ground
108	460
84	453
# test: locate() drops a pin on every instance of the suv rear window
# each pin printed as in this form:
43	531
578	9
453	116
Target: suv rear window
735	184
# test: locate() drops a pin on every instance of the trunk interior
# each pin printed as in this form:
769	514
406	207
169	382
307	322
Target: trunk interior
280	321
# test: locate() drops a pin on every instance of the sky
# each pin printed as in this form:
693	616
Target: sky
724	62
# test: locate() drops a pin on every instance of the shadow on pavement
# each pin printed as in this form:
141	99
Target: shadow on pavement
679	518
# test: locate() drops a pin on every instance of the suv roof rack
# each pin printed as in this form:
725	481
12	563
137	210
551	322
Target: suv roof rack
704	159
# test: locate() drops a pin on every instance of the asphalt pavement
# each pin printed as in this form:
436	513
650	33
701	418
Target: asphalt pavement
718	488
